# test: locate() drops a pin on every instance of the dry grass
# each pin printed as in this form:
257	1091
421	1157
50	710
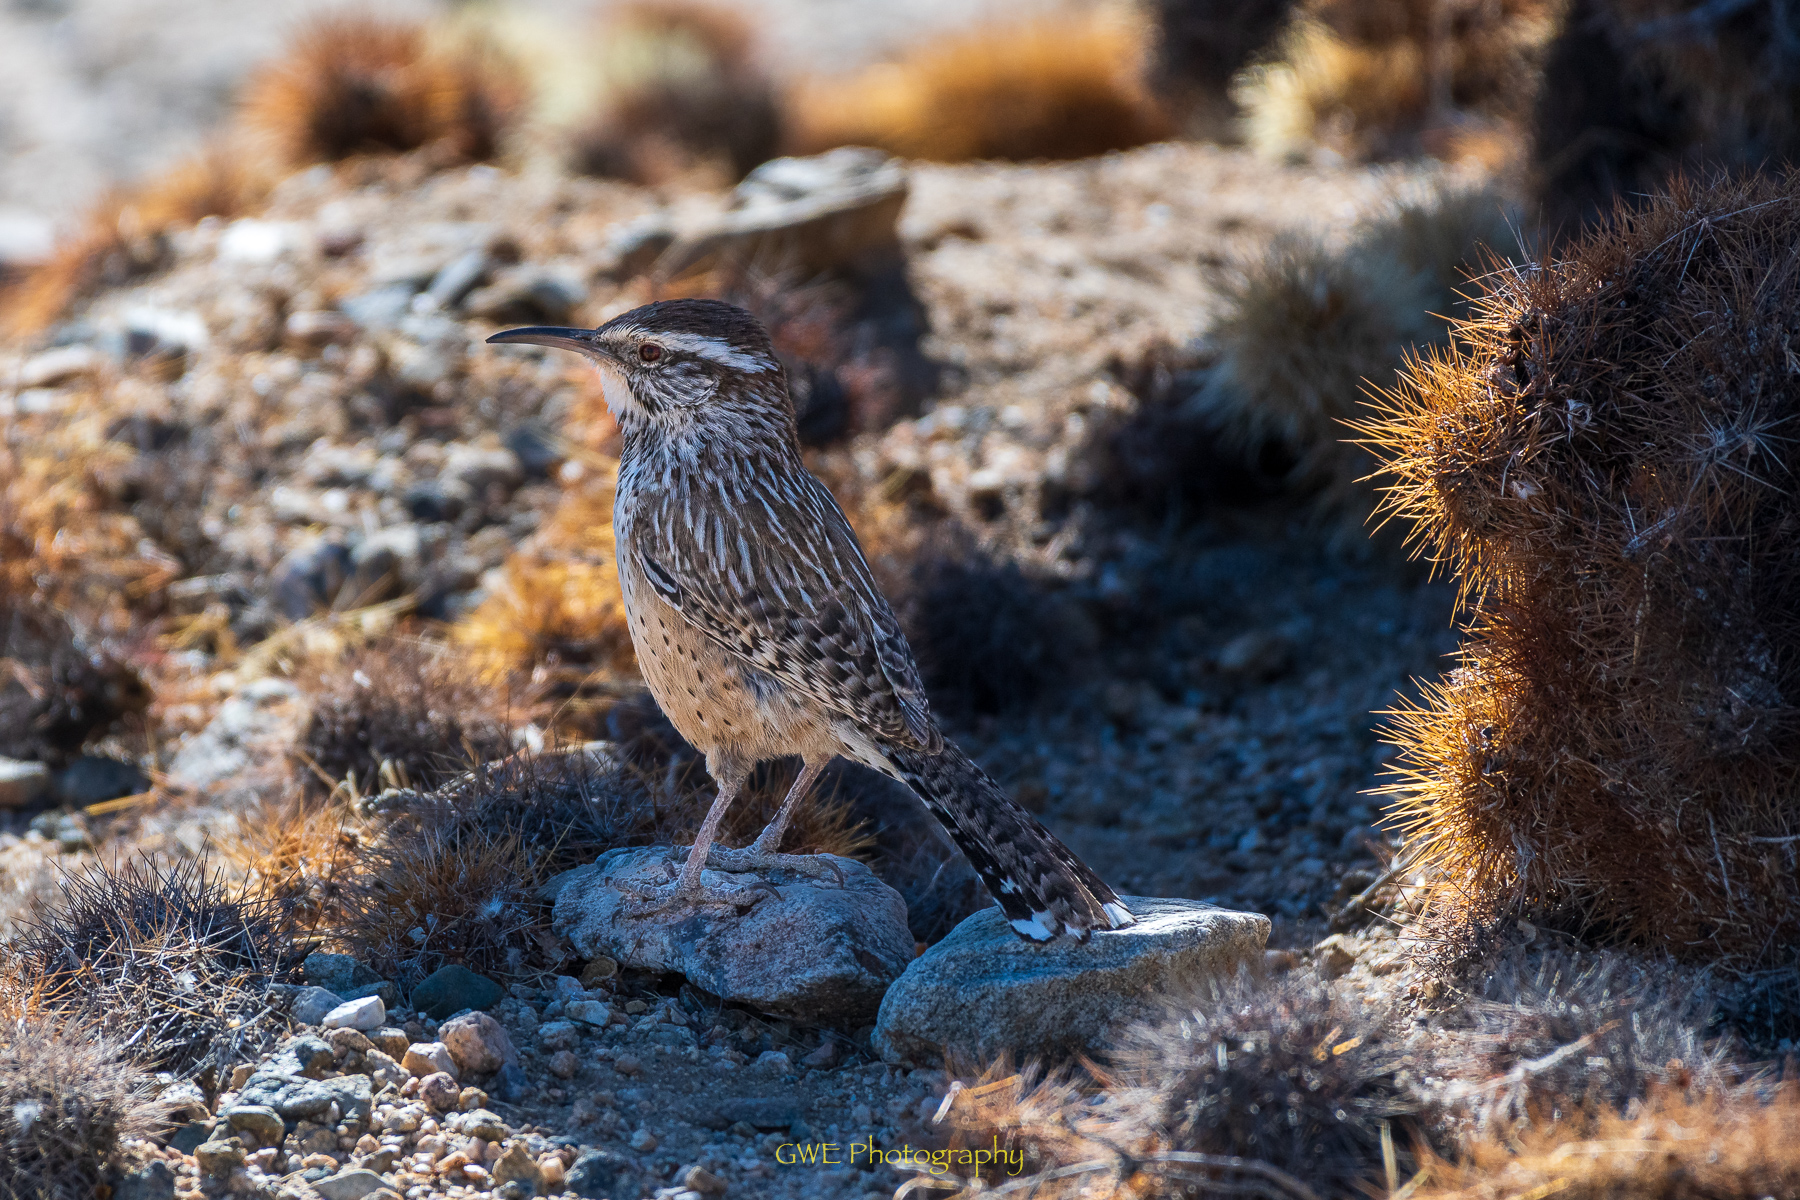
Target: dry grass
1678	1148
67	1099
402	712
169	953
297	852
1392	80
1603	460
684	93
350	84
1058	87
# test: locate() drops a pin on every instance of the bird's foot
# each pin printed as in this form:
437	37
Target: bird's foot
738	862
661	897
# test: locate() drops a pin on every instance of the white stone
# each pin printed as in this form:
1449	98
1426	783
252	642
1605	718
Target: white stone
364	1014
252	241
55	367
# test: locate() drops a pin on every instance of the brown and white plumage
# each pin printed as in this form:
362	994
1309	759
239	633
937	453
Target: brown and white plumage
757	622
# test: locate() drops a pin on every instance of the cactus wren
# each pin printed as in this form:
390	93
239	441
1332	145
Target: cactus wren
757	623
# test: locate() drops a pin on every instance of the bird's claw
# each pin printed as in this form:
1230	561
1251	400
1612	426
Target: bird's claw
739	862
657	899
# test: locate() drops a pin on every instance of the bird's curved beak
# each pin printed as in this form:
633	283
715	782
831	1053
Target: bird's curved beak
579	340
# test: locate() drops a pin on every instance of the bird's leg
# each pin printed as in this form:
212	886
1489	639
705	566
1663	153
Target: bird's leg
764	851
687	887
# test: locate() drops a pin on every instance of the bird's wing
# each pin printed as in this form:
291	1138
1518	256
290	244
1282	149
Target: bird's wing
769	569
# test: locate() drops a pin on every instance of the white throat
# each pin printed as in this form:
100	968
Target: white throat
617	391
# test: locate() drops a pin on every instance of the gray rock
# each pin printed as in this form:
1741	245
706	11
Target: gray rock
155	1180
435	500
527	292
261	1121
312	1003
22	783
480	467
459	277
634	247
386	562
304	1055
53	368
983	989
812	948
451	989
319	328
428	1058
480	1123
310	576
596	1174
308	1099
510	1084
588	1012
91	780
832	211
381	307
1259	655
384	990
517	1165
194	1133
353	1184
67	829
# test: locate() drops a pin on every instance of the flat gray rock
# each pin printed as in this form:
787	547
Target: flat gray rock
983	989
811	949
826	212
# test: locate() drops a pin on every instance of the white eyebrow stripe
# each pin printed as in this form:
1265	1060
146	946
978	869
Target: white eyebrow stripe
715	350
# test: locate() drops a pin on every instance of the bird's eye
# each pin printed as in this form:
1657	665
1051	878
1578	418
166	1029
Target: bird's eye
650	352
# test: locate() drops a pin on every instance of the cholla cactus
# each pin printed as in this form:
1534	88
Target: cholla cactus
66	1100
351	85
171	954
1605	461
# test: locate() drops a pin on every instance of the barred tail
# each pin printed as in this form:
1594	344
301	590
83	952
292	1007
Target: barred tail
1040	885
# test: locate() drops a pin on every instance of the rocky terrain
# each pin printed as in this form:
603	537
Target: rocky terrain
331	797
300	413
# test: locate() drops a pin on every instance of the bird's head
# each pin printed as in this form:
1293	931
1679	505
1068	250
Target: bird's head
679	364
